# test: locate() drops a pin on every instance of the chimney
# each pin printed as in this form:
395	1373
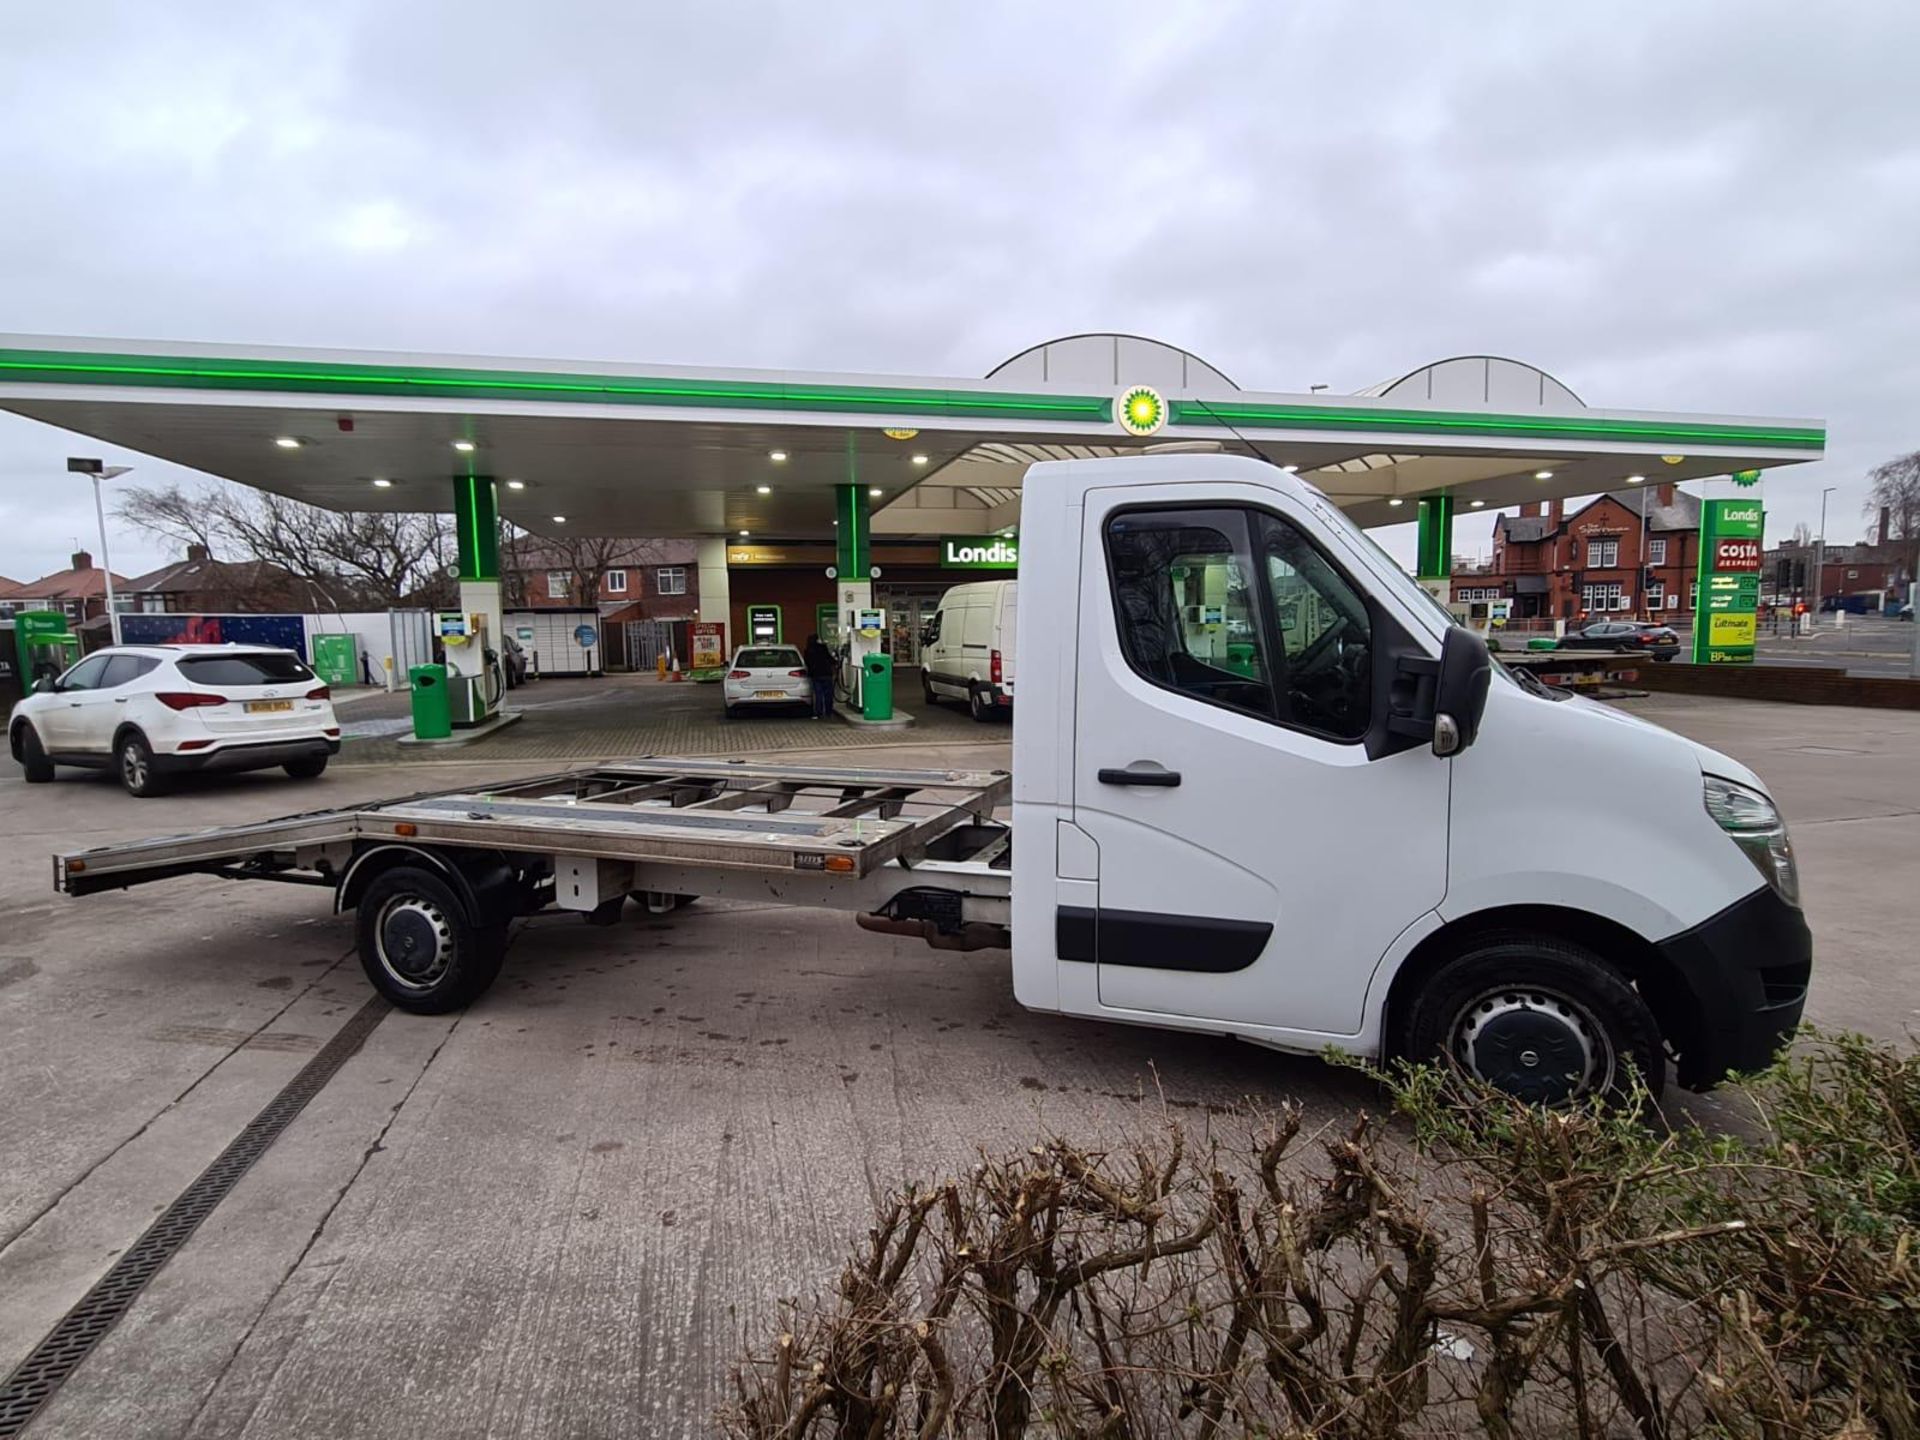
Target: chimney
81	560
197	554
1553	511
1663	497
1538	508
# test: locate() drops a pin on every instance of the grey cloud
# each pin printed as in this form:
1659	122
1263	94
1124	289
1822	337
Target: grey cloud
1704	207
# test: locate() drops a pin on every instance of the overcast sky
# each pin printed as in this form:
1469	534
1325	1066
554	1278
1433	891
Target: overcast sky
1689	207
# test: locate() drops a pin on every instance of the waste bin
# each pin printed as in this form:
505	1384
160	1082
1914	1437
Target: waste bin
876	687
432	717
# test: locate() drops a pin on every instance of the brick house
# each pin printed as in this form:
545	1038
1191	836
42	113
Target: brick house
1589	562
199	584
1787	571
639	579
79	592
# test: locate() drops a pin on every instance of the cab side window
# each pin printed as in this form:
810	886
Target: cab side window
1324	633
1187	606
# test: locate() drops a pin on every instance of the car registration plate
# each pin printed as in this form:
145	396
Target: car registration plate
268	707
769	694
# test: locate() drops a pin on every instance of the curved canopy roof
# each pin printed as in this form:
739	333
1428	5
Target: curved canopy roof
673	450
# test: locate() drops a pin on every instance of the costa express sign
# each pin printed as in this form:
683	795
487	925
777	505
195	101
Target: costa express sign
1724	628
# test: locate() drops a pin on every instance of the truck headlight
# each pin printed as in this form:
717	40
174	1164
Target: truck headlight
1753	823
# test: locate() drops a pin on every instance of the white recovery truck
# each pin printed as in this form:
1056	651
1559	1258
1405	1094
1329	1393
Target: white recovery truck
1261	787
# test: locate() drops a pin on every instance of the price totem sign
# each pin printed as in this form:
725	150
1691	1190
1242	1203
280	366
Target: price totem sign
1725	616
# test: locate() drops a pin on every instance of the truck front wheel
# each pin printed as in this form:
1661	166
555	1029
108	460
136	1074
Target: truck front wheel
418	946
1538	1017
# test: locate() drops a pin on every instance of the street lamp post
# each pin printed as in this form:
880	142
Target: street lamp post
1820	554
101	472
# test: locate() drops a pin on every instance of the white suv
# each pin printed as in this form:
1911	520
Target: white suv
154	711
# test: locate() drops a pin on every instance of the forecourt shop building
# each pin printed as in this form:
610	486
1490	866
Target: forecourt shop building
899	484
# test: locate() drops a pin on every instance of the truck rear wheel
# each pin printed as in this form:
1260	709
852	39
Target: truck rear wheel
418	945
1542	1019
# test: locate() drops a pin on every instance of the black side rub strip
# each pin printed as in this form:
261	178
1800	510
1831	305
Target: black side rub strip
1148	940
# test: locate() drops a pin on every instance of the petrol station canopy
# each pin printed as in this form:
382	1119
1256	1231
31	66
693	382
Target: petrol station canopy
673	450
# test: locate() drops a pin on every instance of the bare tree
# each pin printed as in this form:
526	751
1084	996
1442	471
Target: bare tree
1896	489
354	558
1802	535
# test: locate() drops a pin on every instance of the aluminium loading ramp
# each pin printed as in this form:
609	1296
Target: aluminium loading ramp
705	813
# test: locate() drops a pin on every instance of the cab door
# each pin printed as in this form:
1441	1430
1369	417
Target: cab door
1261	837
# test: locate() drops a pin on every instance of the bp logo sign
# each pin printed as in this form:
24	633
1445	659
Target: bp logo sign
1747	478
1140	410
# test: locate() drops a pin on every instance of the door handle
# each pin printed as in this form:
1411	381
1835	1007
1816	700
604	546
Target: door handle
1141	772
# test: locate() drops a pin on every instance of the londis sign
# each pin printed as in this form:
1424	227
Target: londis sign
979	552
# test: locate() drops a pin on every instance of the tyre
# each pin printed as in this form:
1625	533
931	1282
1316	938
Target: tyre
418	946
1545	1020
133	761
33	757
309	769
978	705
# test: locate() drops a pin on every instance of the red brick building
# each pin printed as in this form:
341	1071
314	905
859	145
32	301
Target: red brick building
629	579
200	584
79	592
1556	566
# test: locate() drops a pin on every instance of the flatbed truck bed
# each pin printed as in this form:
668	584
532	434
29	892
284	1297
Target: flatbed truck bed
437	877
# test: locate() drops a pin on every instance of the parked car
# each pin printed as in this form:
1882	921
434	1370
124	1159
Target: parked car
1659	640
966	650
152	712
513	662
763	676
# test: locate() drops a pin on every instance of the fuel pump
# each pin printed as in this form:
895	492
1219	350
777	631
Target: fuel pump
475	681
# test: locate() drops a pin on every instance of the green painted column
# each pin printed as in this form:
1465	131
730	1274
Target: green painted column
1434	549
476	515
853	552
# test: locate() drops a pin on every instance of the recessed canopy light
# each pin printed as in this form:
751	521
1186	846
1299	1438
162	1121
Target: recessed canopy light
1396	500
465	447
1636	479
1289	469
744	534
287	442
1543	474
1478	503
874	492
920	459
516	484
559	519
776	456
382	483
763	489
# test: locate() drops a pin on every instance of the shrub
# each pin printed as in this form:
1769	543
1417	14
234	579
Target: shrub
1482	1266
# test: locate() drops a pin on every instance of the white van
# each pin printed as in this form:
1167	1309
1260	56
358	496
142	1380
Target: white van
966	652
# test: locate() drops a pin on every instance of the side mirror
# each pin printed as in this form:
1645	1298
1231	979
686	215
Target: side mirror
45	685
1460	696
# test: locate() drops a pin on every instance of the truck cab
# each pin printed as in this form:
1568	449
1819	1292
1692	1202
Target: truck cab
1264	787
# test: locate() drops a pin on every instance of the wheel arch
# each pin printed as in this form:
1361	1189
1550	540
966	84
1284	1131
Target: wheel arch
124	729
478	878
17	727
1674	1008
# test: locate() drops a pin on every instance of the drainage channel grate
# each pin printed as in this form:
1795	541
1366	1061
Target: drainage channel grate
68	1343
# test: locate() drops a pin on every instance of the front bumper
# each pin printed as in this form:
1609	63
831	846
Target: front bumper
258	755
1746	971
